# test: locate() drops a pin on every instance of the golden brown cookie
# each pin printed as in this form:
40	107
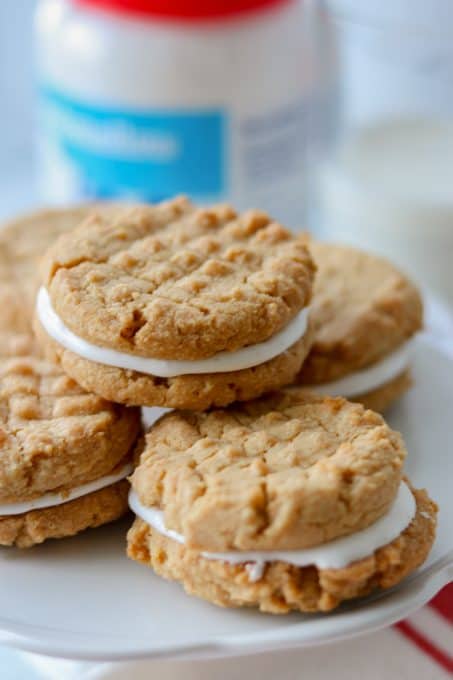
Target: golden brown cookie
364	312
56	438
178	306
284	587
197	392
257	504
54	435
288	471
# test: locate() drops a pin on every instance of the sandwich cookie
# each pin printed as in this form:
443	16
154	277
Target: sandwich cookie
290	502
176	306
365	314
65	454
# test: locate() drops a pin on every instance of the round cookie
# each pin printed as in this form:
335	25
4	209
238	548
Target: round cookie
364	313
284	472
180	306
57	439
227	501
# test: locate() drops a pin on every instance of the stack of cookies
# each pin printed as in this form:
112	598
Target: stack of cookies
66	452
263	486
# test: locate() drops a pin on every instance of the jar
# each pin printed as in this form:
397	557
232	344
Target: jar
145	99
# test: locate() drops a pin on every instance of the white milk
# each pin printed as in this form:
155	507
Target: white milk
390	189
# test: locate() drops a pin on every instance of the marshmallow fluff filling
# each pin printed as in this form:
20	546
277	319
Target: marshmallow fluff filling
59	498
370	378
223	362
335	554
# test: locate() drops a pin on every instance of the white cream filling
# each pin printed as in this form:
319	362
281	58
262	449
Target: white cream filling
59	498
369	378
223	362
335	554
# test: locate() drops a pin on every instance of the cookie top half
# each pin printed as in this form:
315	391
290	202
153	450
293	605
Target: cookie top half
363	308
289	471
53	434
174	281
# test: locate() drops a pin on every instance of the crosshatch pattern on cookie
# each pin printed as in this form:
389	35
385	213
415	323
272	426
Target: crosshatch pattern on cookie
53	434
36	390
289	471
176	281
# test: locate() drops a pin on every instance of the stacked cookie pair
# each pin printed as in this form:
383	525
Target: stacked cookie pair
65	453
249	492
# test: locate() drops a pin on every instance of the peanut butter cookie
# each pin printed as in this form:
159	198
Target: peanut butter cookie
64	452
364	313
177	306
293	501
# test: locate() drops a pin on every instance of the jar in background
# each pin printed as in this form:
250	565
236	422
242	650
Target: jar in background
144	99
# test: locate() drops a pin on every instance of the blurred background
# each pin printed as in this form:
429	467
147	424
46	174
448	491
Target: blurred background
335	115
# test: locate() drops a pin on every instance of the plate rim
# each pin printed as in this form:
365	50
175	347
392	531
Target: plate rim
387	608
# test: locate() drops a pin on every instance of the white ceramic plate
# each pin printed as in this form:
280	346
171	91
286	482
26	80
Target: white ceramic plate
82	598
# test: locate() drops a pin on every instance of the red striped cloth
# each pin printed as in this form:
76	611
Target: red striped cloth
431	629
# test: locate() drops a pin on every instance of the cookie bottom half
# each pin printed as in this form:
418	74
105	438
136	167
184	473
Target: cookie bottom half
58	521
283	587
193	392
384	396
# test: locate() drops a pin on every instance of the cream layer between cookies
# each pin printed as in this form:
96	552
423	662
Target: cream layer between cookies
335	554
223	362
370	378
52	499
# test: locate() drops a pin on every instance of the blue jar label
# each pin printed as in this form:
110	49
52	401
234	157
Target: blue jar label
147	154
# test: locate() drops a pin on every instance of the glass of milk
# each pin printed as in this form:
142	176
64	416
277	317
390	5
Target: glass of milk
388	186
